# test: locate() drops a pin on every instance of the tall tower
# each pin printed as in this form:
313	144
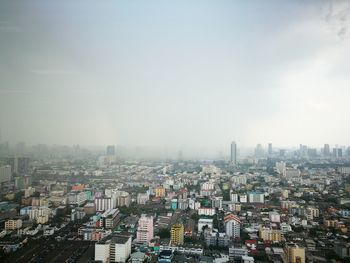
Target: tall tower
269	151
326	150
110	150
233	153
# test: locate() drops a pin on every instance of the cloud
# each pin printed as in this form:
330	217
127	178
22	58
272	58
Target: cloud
337	16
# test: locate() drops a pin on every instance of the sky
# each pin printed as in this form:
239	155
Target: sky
175	74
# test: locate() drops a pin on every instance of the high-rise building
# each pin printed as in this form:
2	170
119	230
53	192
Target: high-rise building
110	150
233	158
259	151
232	225
269	151
282	152
326	150
337	152
121	198
145	229
104	203
177	234
293	254
5	173
110	218
113	248
19	165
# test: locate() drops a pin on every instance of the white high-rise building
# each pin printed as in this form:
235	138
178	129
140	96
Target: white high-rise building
232	225
114	248
103	204
233	153
234	197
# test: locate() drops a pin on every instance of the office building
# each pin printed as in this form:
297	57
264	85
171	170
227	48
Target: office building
259	151
269	149
233	158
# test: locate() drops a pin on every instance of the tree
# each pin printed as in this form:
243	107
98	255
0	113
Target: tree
164	233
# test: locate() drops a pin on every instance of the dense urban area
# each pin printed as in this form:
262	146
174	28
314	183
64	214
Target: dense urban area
68	204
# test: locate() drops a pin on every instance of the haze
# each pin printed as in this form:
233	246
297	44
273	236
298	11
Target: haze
175	74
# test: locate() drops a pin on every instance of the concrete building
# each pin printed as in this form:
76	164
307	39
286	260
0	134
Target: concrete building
255	197
232	225
110	218
145	231
142	198
270	234
237	252
19	165
206	211
177	234
233	157
5	173
13	224
113	248
293	254
342	249
104	203
77	198
160	191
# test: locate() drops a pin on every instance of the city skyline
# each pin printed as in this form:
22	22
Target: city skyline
174	74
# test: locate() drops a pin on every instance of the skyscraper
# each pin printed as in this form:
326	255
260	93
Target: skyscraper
233	153
326	150
110	150
269	151
259	152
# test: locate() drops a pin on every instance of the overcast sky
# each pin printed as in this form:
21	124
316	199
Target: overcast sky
175	73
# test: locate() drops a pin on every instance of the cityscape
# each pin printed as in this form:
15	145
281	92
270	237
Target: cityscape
174	131
71	204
